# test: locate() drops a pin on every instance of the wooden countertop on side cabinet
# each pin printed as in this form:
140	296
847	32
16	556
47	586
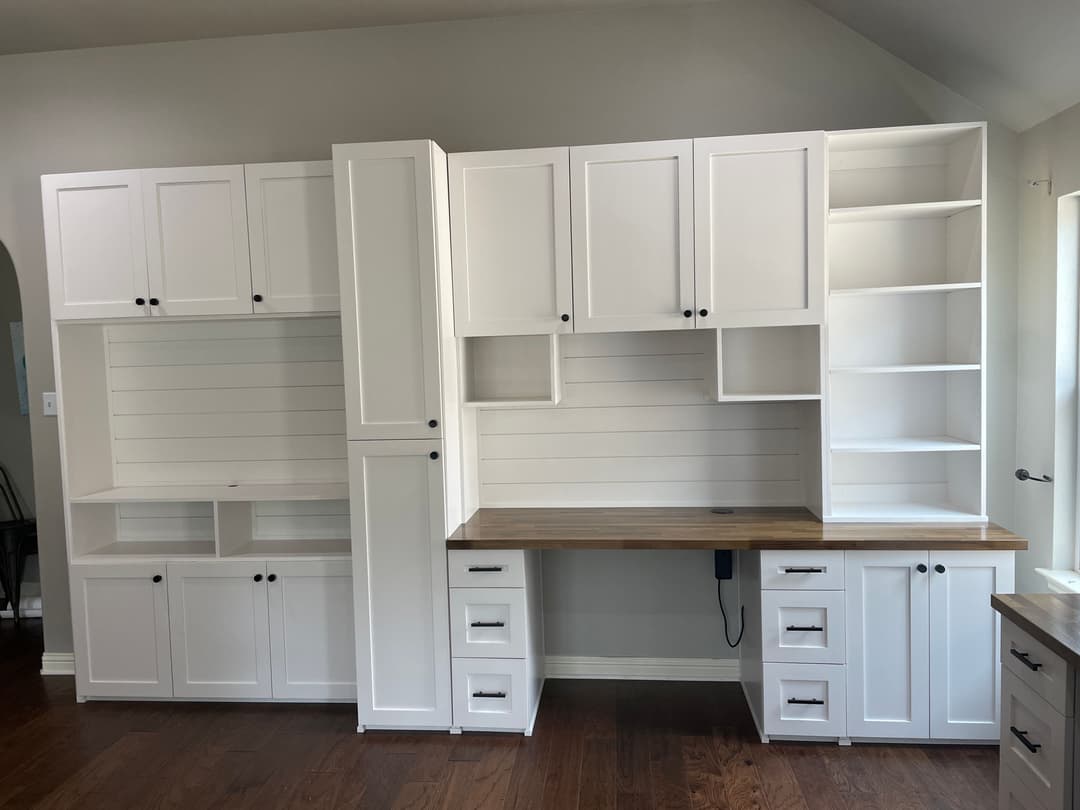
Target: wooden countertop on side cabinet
701	528
1052	618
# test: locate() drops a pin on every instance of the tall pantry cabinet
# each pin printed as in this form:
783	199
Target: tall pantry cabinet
401	383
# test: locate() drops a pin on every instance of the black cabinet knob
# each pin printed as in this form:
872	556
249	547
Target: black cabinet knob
564	317
256	298
140	302
154	302
157	577
433	423
434	454
271	578
921	568
703	312
688	313
257	577
939	568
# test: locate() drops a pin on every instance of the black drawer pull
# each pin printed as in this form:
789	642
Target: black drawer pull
485	569
1022	737
488	624
489	694
795	628
804	570
1023	658
803	702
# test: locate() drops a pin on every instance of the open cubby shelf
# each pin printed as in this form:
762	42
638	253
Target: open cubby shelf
769	363
510	371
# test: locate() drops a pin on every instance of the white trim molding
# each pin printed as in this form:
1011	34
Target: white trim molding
1060	581
57	663
642	669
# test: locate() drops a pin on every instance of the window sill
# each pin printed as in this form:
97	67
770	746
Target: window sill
1060	581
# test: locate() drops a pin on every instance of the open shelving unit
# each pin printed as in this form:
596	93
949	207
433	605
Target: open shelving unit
906	338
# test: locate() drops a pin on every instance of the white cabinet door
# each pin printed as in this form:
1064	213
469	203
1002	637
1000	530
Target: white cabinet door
389	300
965	654
121	629
633	236
197	240
290	209
510	222
220	630
888	626
399	570
312	641
760	232
95	244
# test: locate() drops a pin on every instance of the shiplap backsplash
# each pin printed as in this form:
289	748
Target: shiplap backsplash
637	427
225	401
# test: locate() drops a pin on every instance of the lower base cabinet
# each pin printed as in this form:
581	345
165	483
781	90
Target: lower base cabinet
215	629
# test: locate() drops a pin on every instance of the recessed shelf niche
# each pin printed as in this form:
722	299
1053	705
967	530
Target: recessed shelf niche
283	528
510	370
155	529
770	363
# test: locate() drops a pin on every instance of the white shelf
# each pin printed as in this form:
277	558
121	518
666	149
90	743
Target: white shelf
524	402
153	548
920	210
328	491
294	548
900	444
915	368
768	397
909	288
900	513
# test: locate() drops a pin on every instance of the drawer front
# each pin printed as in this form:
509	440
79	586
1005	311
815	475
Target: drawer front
803	627
802	570
1013	794
1036	666
1028	721
490	693
806	700
487	623
487	569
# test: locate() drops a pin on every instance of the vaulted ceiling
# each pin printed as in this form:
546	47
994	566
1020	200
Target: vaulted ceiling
1018	59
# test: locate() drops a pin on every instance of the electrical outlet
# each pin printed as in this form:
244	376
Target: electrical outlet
48	403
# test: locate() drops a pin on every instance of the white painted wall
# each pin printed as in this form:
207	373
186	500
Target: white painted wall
725	68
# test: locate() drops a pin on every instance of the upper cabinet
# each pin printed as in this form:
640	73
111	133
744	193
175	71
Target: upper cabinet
95	244
510	214
290	212
632	225
197	240
760	229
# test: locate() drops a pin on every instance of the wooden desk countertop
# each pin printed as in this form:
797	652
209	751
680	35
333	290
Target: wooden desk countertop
1052	618
700	528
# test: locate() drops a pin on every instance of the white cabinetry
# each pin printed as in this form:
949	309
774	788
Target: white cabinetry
120	619
197	240
633	236
510	212
290	210
760	229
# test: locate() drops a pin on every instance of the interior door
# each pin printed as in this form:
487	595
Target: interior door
510	226
399	567
760	229
888	626
197	240
121	627
633	236
290	209
312	642
220	629
95	244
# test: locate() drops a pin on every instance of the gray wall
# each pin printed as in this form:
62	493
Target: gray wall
14	427
726	68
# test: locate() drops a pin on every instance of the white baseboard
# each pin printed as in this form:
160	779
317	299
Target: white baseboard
57	663
642	669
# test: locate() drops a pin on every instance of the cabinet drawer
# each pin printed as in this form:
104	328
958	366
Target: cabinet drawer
805	627
802	570
1028	721
490	693
487	622
1014	794
806	700
487	569
1037	667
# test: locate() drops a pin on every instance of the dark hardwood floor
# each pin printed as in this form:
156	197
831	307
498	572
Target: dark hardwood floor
598	744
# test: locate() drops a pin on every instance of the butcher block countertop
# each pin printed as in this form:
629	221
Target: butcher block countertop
1052	618
701	528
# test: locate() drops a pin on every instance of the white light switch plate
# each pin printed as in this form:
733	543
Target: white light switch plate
48	403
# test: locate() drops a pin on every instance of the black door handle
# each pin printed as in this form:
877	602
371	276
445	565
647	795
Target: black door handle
489	694
488	624
806	702
939	568
257	577
157	578
1022	737
256	298
139	302
921	568
271	578
485	569
154	302
1024	658
804	570
794	628
564	317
